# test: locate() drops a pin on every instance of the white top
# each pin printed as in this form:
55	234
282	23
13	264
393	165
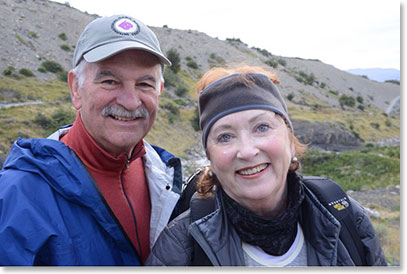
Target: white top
295	256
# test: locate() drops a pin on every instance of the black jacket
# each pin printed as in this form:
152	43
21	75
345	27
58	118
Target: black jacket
217	237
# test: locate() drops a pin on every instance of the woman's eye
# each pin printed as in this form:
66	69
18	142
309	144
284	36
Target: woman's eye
263	128
224	138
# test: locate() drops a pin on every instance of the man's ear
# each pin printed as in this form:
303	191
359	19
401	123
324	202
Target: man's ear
161	87
75	94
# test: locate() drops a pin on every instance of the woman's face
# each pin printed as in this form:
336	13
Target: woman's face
250	153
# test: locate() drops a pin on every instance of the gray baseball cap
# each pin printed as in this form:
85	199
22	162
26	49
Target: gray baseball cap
107	36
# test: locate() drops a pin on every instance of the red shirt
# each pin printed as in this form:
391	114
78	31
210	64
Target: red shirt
121	180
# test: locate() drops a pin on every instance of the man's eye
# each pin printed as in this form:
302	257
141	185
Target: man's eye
145	85
109	82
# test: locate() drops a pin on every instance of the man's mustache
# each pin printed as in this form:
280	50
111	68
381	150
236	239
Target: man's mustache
118	111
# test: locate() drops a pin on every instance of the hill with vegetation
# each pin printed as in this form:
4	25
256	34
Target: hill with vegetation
351	123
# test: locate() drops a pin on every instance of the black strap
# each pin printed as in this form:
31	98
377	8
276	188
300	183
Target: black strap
334	198
188	190
200	207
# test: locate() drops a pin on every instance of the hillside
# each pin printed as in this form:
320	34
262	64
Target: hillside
332	110
377	74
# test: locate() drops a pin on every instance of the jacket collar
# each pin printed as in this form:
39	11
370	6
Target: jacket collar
92	155
217	236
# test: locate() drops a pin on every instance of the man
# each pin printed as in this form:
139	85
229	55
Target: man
95	193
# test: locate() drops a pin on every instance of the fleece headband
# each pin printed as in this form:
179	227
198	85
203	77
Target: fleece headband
232	94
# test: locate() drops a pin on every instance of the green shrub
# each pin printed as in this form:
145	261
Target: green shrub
58	119
232	40
333	92
396	82
282	62
42	70
191	63
173	111
290	96
43	121
26	72
195	120
361	107
172	108
175	59
9	71
180	102
65	47
52	66
32	34
213	58
359	99
62	76
345	100
375	125
170	78
181	90
62	36
19	38
355	170
272	63
263	52
309	79
62	118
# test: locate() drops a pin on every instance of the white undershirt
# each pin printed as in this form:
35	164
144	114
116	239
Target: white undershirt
295	256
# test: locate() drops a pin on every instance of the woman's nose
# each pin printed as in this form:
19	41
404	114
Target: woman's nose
247	148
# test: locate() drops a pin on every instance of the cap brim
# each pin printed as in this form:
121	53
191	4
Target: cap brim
105	51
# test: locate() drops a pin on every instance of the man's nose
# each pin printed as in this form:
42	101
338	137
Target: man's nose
129	97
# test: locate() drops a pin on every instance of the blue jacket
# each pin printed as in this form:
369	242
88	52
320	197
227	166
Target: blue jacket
52	212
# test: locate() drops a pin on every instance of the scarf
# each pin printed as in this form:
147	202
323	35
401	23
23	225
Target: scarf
274	235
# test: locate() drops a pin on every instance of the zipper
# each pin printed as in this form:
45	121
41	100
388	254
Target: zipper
130	204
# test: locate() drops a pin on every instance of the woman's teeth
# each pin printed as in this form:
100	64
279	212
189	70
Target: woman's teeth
251	171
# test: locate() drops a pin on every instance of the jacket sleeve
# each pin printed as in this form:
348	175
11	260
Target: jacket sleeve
23	228
174	245
368	235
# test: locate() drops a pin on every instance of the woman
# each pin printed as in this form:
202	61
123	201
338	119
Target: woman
264	214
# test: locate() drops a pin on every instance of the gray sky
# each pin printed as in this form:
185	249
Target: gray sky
347	34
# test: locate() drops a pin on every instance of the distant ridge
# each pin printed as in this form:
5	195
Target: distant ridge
377	74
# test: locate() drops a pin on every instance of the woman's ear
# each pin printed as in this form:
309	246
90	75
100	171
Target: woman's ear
75	91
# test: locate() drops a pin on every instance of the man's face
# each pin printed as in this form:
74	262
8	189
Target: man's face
118	99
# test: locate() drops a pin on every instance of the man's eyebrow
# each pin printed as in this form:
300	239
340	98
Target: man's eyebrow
148	77
104	73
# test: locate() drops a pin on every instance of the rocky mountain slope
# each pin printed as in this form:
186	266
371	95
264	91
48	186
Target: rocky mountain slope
35	31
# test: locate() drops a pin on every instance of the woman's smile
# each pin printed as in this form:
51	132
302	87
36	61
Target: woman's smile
251	171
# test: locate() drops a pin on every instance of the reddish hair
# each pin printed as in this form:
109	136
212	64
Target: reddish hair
217	73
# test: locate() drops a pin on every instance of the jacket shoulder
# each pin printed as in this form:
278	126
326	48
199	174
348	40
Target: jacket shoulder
368	235
174	245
